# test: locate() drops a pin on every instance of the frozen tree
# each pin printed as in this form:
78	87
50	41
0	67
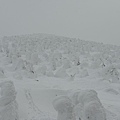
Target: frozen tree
5	45
87	105
41	70
63	105
2	73
58	59
66	63
28	71
34	59
1	50
88	96
28	56
14	59
53	64
73	95
71	77
73	70
110	73
19	65
49	73
59	63
78	110
76	60
94	111
57	55
29	66
8	104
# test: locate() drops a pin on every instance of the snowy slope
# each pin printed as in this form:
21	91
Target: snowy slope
36	90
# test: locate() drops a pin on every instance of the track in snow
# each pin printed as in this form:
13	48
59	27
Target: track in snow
34	112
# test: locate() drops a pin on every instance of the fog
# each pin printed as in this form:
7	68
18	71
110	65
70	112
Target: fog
96	20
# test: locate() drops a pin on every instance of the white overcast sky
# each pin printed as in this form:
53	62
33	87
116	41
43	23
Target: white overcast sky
97	20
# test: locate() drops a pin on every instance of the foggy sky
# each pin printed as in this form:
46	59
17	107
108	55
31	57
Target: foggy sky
96	20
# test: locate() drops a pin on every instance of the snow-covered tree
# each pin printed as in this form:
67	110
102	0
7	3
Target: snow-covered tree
94	111
53	65
73	70
111	73
66	63
19	65
49	73
61	73
87	105
63	105
29	66
41	70
2	73
8	104
34	59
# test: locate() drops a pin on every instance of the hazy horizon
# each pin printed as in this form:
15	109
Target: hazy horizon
88	20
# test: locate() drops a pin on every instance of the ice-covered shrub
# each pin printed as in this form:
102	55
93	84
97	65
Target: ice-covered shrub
46	56
63	105
8	104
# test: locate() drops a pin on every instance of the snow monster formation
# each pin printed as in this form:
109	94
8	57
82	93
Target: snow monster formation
81	104
8	104
63	105
87	105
